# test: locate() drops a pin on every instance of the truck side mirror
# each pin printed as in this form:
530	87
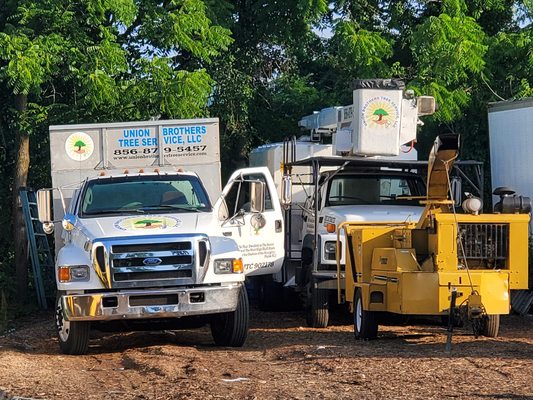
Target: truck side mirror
286	191
257	197
44	209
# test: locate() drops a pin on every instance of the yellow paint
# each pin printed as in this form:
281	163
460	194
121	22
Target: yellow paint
413	270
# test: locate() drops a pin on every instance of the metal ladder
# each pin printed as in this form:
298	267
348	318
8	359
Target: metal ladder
41	258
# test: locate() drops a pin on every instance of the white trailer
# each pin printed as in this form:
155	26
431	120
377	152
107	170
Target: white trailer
511	145
147	234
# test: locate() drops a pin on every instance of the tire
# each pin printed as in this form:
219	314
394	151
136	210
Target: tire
231	328
318	308
365	322
491	325
73	336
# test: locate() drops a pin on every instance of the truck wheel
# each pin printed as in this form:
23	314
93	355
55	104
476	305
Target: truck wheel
491	325
317	309
365	322
231	329
73	335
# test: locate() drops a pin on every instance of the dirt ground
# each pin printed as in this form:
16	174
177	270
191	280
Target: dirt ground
281	359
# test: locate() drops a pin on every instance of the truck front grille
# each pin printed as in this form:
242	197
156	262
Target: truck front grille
138	261
484	241
135	276
150	247
160	261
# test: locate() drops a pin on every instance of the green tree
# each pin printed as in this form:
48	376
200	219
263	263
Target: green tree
147	222
267	35
79	144
100	60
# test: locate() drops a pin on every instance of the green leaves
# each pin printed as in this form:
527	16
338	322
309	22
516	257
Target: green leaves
362	52
26	62
182	25
510	64
449	48
112	59
122	11
449	52
172	93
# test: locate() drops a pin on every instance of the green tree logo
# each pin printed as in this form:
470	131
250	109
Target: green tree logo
380	112
148	223
79	144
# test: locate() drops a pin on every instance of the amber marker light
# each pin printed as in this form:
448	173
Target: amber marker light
141	171
237	266
63	274
330	228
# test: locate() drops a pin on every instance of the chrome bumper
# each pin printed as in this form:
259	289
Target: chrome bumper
174	303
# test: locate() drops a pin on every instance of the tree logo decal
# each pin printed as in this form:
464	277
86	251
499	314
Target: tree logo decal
147	222
257	222
380	112
79	146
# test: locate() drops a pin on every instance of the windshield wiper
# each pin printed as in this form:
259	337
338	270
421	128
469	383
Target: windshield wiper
109	211
167	207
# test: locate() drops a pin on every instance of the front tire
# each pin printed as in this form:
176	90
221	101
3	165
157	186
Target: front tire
73	335
365	322
231	328
318	308
491	325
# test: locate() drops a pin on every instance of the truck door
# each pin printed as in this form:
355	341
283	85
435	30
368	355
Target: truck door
259	235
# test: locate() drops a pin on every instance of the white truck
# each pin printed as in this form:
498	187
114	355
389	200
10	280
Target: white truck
147	234
369	174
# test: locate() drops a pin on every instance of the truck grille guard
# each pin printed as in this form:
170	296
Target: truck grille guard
151	262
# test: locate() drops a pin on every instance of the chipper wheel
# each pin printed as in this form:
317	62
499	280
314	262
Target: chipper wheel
490	325
365	322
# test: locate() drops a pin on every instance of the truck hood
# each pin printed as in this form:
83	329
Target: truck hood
374	213
142	225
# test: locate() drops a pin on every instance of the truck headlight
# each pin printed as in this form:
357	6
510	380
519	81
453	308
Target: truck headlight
330	250
73	273
228	266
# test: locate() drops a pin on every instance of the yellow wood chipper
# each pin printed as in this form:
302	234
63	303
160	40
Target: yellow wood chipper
448	264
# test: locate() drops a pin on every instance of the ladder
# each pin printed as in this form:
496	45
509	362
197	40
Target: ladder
41	258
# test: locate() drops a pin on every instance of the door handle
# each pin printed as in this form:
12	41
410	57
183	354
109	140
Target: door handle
227	233
278	225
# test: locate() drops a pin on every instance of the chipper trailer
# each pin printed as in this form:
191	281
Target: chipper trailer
449	264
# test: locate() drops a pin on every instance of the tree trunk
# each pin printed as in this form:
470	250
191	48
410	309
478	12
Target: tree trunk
20	180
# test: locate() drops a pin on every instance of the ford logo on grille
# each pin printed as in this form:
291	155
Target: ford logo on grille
152	261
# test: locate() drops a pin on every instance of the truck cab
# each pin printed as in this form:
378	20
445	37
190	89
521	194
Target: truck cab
347	189
354	195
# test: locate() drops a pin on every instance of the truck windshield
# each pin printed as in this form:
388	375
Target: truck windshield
374	189
144	194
